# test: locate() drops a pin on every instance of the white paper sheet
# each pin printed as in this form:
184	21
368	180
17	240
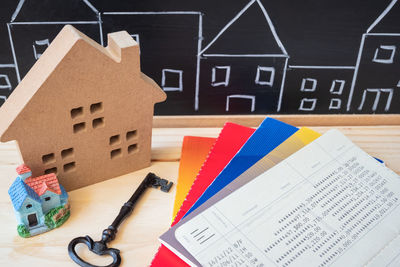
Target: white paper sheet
329	204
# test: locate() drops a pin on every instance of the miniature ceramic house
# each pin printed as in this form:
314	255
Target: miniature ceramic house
83	112
40	203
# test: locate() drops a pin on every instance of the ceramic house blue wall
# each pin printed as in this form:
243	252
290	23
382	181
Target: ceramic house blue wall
30	211
50	200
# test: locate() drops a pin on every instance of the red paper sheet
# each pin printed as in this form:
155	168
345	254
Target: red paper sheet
229	141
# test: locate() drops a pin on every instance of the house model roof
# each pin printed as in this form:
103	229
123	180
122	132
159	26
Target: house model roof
43	183
19	191
42	70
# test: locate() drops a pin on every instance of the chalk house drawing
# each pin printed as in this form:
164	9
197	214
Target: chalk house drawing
224	68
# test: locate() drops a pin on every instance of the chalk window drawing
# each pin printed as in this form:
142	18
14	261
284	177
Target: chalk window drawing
265	75
39	46
377	92
336	103
172	80
250	97
220	75
308	104
5	82
337	87
384	54
308	85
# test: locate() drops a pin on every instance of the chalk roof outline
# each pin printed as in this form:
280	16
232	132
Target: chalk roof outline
22	2
382	16
241	12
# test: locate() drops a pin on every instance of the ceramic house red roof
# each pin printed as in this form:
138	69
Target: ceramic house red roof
43	183
23	169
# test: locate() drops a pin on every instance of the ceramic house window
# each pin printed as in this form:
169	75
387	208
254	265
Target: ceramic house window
5	82
29	206
384	54
123	144
220	75
172	80
265	75
39	46
308	85
47	199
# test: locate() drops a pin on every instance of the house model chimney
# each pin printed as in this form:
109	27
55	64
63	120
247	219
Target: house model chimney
122	46
24	172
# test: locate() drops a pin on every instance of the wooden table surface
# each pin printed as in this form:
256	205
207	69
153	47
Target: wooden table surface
94	207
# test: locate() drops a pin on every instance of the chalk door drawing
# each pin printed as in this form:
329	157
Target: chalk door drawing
244	68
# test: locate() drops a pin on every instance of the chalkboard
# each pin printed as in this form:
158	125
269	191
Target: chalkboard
231	57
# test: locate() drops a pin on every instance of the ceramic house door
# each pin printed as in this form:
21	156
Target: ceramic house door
32	220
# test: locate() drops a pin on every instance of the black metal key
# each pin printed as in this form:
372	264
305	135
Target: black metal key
100	247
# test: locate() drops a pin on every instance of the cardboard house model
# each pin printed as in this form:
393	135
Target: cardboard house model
40	203
83	112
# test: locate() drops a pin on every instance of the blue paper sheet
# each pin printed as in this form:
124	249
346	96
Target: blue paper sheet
270	134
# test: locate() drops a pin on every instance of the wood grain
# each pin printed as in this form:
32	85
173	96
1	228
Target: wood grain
94	207
297	120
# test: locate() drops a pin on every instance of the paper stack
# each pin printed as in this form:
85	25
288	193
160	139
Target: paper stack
282	196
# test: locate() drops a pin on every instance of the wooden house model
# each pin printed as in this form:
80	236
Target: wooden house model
84	111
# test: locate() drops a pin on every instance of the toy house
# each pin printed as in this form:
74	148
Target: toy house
40	203
83	112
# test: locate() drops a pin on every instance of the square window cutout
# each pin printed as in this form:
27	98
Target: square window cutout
115	139
220	75
96	107
172	80
79	127
131	135
69	152
265	75
51	170
69	167
49	158
384	54
98	123
76	112
132	148
116	153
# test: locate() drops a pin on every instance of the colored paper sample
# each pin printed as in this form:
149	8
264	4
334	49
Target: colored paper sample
228	143
268	136
194	152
